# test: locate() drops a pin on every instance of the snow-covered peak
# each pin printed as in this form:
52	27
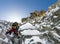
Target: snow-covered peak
27	26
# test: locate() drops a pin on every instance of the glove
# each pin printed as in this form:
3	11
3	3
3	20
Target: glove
7	33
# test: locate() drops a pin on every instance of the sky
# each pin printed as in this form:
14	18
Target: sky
15	10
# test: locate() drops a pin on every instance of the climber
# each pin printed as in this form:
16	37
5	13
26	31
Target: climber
14	29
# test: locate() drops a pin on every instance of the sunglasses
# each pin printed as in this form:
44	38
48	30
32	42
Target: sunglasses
13	25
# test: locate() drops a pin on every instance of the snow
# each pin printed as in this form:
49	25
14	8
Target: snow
30	32
33	32
4	40
51	11
56	9
58	26
56	36
46	25
34	38
44	41
45	32
55	16
0	30
27	26
1	25
43	23
51	23
33	21
11	35
37	25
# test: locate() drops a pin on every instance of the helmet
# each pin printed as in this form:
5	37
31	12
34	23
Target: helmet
15	24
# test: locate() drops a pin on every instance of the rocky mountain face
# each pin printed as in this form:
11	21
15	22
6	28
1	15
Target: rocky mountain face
49	26
34	16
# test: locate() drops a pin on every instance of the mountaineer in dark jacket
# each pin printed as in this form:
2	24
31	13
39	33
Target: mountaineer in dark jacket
13	29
